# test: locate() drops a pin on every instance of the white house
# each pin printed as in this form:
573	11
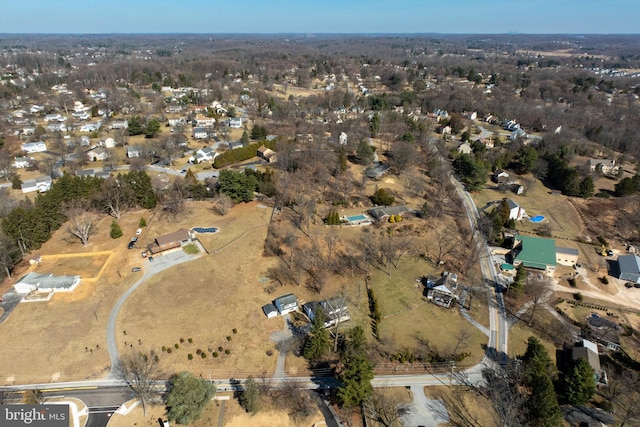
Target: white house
515	210
98	154
22	162
45	283
40	184
335	310
603	166
56	127
133	151
29	130
199	133
286	303
119	124
54	118
34	147
235	123
343	138
465	148
205	154
108	143
90	127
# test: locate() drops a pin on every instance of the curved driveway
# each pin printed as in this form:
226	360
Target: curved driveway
150	269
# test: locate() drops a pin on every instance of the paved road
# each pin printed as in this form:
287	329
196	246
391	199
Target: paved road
11	299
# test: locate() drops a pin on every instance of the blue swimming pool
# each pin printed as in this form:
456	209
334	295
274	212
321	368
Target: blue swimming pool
204	230
537	218
357	217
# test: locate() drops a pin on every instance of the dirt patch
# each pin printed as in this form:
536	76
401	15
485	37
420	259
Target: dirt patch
87	266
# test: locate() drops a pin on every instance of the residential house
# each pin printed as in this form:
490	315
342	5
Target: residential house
54	118
603	166
465	148
29	130
200	133
34	147
627	268
133	151
441	295
22	162
382	214
45	283
334	308
235	122
518	133
286	303
56	127
40	184
266	154
516	212
119	124
583	349
205	154
170	241
440	114
36	109
566	256
98	154
499	176
376	170
534	252
204	121
91	127
108	143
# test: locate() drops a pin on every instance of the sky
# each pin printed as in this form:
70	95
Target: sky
321	16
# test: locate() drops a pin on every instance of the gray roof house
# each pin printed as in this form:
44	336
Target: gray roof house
383	213
334	308
628	268
286	303
45	282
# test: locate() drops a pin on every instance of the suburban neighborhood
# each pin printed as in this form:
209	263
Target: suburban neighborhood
406	233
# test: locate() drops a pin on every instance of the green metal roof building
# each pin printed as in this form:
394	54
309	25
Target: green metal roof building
535	252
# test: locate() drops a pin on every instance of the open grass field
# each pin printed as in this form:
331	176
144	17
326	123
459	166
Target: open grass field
87	266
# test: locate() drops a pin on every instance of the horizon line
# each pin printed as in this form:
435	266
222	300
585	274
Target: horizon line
508	33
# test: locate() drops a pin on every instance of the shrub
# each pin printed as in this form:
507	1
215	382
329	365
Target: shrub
215	354
116	231
190	340
142	223
203	355
176	345
220	348
198	351
228	337
169	350
190	356
227	351
604	280
577	296
181	340
269	352
572	282
164	348
235	331
156	358
383	197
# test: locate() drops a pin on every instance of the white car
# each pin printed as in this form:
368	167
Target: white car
138	231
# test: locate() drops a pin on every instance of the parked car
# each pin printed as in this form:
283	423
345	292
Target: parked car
150	259
133	241
136	269
628	285
138	231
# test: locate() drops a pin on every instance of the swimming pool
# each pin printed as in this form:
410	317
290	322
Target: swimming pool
537	218
204	230
355	218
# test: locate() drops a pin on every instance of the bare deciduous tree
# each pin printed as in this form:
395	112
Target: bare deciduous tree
115	197
385	408
140	372
82	221
222	204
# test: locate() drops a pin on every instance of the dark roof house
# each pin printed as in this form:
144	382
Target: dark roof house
170	241
383	213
